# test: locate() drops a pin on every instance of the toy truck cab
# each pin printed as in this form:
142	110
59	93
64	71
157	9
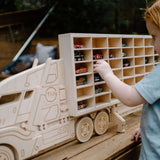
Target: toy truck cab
33	111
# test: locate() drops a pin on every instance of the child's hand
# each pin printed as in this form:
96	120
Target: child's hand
103	68
136	135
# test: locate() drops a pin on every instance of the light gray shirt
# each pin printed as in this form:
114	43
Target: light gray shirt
149	89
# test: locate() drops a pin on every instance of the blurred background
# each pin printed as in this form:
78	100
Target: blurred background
87	16
19	18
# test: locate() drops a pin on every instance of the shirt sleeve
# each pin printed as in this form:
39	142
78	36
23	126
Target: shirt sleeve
149	86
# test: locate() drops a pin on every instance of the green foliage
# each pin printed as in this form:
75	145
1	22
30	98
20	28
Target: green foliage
27	4
13	5
18	4
6	6
97	16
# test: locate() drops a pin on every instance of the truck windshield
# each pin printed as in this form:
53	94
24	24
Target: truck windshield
9	98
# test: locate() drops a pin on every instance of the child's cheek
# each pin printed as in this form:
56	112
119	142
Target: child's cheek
157	46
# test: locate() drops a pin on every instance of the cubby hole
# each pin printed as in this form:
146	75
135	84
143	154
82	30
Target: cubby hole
84	80
102	99
85	104
127	62
148	68
139	51
139	61
149	59
139	70
127	42
82	68
128	72
99	42
137	79
82	55
84	93
99	54
115	63
149	51
105	53
115	53
156	58
127	52
114	42
138	42
83	42
118	73
113	97
129	81
148	42
101	88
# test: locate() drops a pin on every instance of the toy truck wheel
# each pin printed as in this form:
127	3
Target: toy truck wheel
84	129
101	122
6	153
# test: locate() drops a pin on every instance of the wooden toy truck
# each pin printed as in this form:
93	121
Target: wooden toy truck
39	107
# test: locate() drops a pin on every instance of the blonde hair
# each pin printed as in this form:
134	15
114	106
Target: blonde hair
153	12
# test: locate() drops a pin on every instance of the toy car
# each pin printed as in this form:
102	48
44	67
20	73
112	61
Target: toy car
98	89
126	63
124	45
81	80
124	54
111	55
81	70
156	59
81	105
146	60
97	77
97	54
78	45
78	56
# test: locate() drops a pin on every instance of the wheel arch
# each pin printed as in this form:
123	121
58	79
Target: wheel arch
11	147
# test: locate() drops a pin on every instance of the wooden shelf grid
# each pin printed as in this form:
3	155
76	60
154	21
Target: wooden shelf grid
131	57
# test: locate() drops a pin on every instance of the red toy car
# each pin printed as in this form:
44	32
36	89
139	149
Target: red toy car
97	54
81	70
78	46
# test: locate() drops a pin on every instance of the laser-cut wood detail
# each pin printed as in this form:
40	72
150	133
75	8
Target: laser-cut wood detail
52	108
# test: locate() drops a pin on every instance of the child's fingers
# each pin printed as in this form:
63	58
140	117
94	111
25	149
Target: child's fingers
136	136
95	66
99	61
132	138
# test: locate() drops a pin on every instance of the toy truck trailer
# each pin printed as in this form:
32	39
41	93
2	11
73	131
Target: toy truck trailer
34	113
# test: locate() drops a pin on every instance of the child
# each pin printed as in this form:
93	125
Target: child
146	92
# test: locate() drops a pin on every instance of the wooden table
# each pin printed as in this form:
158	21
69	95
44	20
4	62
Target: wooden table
111	145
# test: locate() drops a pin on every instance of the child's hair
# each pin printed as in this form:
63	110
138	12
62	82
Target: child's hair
153	12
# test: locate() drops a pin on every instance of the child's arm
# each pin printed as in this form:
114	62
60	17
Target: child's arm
127	94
